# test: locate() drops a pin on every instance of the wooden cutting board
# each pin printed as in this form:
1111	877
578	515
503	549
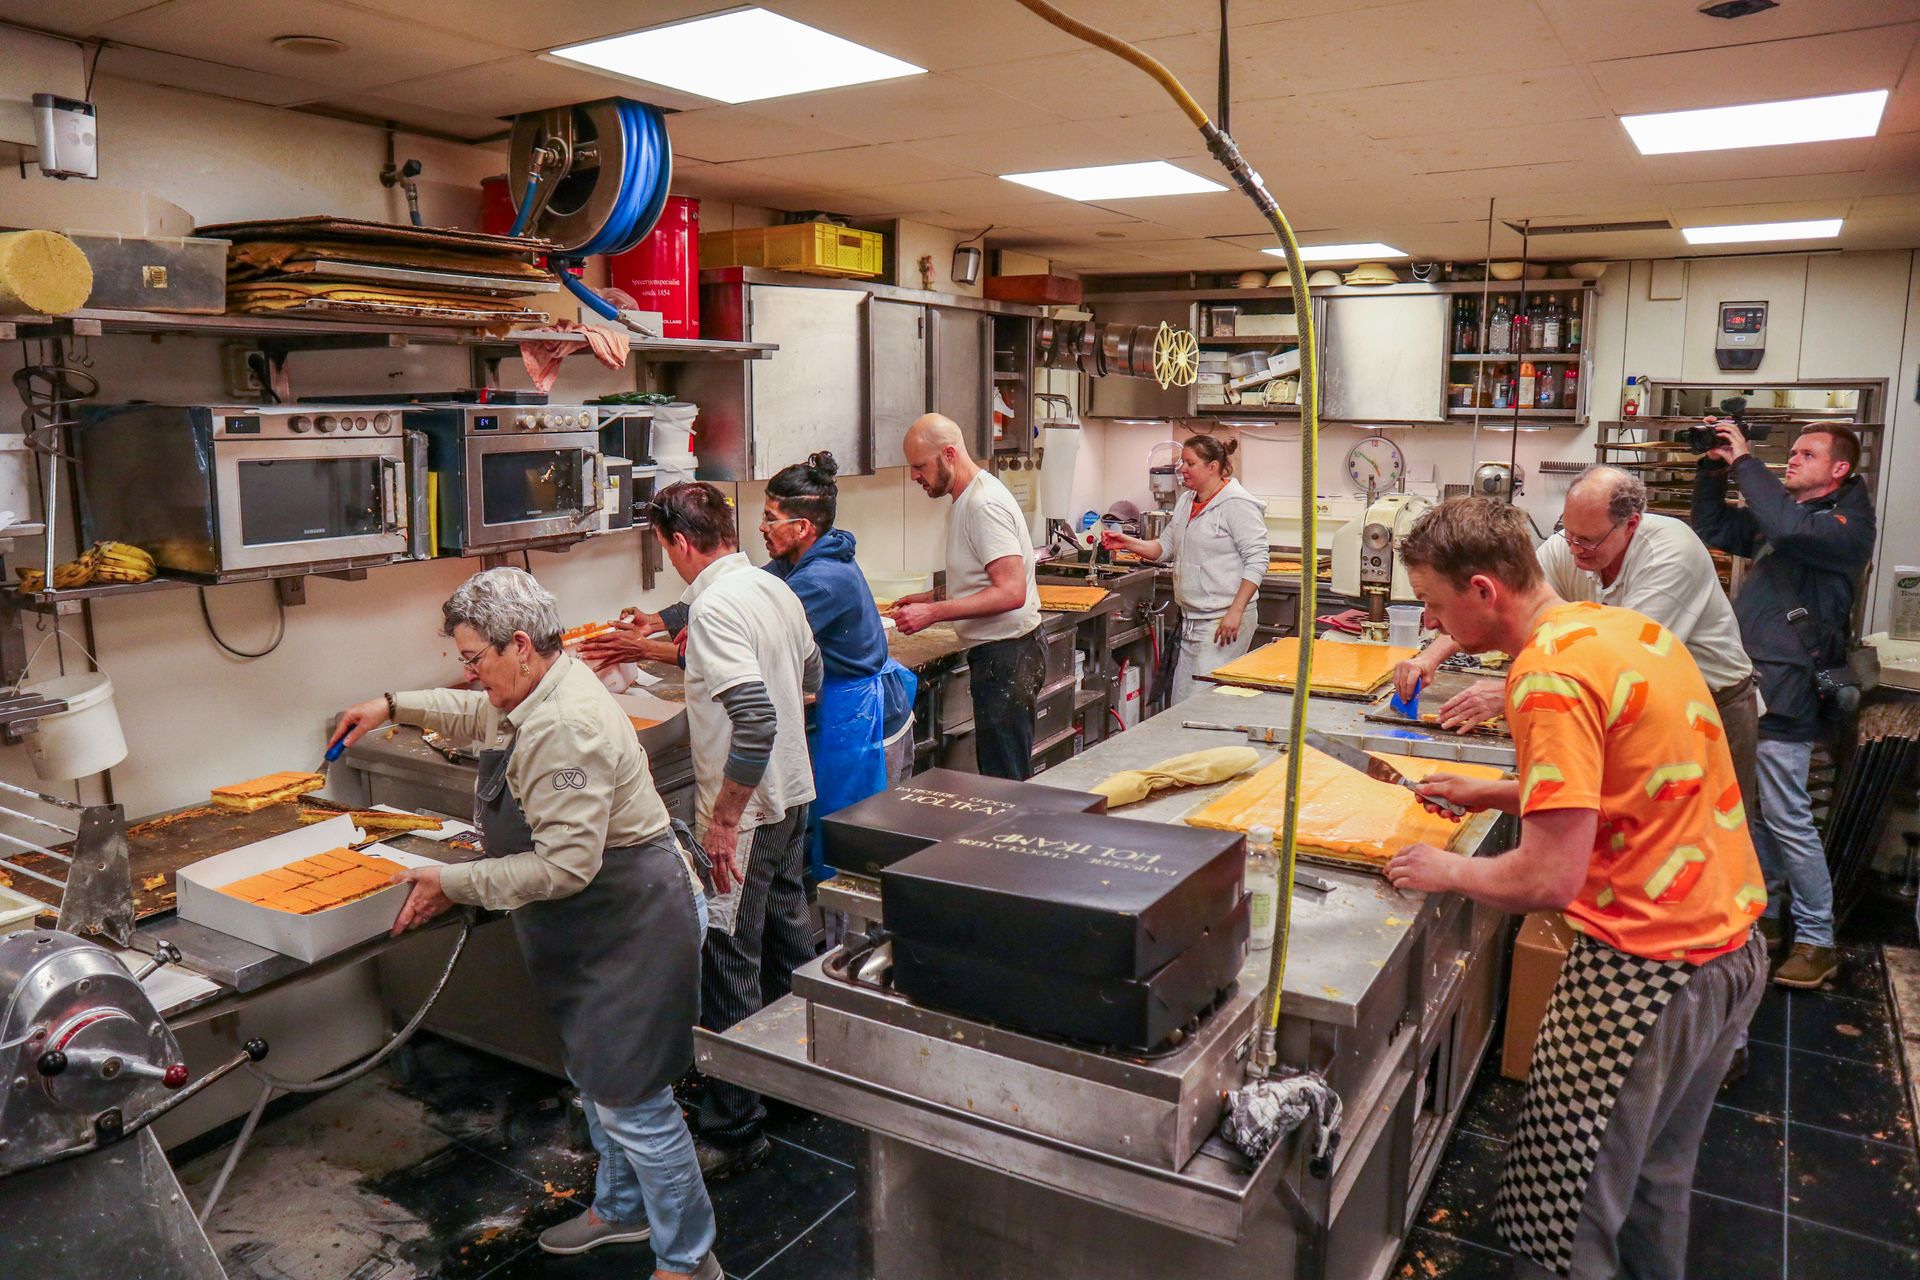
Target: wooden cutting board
1435	695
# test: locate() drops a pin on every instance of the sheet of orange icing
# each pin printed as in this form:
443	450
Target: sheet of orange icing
1352	668
1343	812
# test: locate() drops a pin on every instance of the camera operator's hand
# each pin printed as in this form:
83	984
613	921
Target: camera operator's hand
1735	442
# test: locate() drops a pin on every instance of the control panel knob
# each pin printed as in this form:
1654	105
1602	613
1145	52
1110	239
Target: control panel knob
176	1075
300	423
52	1063
326	424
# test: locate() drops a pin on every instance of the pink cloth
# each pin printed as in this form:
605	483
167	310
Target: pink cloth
543	358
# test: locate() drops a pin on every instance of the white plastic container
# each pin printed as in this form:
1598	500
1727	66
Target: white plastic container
1263	886
1403	625
1905	624
891	586
17	910
82	740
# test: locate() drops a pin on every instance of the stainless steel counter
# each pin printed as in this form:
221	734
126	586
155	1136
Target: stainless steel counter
1391	995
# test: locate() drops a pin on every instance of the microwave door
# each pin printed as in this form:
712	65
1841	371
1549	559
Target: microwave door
285	503
521	488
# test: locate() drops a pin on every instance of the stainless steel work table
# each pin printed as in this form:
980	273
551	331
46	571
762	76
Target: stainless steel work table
1392	995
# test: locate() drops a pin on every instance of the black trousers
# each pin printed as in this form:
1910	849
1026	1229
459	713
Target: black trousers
752	967
1005	676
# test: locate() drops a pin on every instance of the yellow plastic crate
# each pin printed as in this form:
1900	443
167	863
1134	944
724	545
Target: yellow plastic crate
818	248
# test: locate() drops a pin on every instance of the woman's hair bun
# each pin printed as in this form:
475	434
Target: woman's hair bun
1230	447
823	462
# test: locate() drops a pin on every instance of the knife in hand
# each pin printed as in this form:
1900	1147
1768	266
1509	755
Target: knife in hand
1376	768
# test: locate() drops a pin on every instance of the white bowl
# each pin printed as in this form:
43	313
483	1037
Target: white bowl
1504	270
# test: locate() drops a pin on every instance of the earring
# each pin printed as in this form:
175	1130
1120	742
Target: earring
525	670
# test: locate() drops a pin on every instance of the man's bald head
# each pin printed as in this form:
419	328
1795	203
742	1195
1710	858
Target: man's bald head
1621	493
935	450
1604	507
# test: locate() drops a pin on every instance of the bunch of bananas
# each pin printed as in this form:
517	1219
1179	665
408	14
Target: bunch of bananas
102	562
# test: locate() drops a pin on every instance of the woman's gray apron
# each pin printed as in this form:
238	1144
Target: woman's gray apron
617	965
1602	1010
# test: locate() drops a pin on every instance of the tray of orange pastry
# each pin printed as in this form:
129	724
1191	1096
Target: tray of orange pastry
1346	818
318	882
1341	668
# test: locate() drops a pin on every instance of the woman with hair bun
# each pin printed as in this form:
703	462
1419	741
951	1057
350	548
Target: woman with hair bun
1217	542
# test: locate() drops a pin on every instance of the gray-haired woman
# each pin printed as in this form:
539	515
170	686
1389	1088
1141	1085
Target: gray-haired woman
606	907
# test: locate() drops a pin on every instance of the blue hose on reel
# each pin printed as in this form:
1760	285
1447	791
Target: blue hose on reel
644	184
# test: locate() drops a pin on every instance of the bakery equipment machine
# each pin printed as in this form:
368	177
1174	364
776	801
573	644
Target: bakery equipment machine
1365	563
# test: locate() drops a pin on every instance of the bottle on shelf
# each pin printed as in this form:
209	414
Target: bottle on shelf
1466	337
1552	326
1522	327
1630	405
1502	389
1573	323
1529	377
1547	388
1263	887
1570	387
1500	330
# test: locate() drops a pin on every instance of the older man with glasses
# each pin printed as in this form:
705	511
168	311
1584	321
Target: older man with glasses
1609	549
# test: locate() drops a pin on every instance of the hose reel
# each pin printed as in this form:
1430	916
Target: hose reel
592	178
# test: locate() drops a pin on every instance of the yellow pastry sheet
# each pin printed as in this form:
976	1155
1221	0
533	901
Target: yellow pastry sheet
1343	813
1338	666
1070	599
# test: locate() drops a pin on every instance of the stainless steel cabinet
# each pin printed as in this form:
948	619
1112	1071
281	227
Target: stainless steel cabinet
757	416
961	373
1385	358
897	367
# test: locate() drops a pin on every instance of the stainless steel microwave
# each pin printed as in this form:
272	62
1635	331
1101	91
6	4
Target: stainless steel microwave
512	476
227	492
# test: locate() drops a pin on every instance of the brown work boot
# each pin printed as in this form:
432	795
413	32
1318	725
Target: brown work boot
1773	932
1807	966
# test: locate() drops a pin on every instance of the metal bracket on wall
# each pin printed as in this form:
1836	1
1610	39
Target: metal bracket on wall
649	554
290	591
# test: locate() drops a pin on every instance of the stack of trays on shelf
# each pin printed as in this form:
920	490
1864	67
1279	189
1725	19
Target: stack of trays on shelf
344	268
1100	930
939	804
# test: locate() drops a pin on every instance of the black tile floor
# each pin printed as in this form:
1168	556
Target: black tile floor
1808	1168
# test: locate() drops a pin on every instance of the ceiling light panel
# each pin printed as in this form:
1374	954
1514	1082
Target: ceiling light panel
1371	251
1116	181
1747	233
743	55
1760	124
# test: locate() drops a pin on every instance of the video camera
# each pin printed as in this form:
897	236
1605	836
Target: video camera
1702	439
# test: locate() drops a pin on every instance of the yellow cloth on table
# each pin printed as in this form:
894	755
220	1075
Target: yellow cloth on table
1343	812
1195	769
1337	665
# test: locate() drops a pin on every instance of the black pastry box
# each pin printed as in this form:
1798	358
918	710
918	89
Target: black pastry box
1068	893
930	807
1121	1013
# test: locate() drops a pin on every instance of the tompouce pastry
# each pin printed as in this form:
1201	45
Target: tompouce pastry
275	788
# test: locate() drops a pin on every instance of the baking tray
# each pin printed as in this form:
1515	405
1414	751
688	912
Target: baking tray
327	227
335	309
1433	696
461	281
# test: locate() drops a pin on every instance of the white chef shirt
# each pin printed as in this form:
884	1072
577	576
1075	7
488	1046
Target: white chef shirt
985	525
1668	575
745	625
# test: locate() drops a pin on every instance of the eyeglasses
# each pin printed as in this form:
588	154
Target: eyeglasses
767	522
1582	544
473	664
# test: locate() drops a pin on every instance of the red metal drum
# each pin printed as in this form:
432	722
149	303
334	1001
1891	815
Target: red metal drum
662	272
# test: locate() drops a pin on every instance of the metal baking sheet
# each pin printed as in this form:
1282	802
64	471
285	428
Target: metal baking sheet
1433	696
498	286
328	227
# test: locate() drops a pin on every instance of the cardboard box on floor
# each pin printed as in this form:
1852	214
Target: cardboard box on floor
1538	954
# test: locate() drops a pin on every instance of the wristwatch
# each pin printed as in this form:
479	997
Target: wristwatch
393	710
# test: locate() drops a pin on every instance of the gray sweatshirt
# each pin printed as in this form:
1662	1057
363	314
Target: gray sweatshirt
1217	550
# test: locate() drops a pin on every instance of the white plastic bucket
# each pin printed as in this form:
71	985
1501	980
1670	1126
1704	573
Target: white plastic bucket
82	740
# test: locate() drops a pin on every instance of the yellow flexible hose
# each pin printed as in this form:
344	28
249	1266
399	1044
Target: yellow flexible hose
1228	154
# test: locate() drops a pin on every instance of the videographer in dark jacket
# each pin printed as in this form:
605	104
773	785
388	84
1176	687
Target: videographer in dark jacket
1809	535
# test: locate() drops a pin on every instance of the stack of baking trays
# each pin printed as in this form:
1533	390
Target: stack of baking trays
1098	930
346	269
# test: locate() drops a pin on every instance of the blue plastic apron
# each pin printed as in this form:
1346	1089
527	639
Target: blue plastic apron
847	740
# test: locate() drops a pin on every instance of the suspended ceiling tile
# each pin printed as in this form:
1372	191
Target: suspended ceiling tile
71	17
372	108
1845	62
1091	84
379	49
1529	180
1894	166
724	182
1502	99
524	82
852	168
1055	145
932	106
1744	190
197	76
723	134
524	26
1850	156
1903	108
1632	28
1216	213
963	195
1880	208
1589	142
1771	211
948	34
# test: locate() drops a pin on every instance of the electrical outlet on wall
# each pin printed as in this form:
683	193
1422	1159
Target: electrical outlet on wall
237	377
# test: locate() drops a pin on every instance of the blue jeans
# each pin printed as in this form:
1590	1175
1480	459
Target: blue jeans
1790	851
649	1173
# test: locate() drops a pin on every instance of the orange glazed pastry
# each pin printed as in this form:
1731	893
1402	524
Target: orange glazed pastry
1343	813
317	883
1338	667
275	788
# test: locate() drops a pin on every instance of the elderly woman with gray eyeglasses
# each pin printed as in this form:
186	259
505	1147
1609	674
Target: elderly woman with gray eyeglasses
609	914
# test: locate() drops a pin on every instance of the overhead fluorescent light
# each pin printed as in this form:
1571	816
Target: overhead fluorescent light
1760	124
1372	251
1822	229
1116	181
742	55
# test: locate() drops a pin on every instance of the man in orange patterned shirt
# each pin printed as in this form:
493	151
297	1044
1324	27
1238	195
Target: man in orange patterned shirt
1632	824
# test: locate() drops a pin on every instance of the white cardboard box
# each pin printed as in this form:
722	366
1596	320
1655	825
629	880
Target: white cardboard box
306	938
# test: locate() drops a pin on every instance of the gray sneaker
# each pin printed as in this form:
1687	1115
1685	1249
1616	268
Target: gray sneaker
577	1235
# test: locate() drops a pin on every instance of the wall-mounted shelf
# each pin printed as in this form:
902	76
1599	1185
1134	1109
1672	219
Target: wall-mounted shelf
1520	357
